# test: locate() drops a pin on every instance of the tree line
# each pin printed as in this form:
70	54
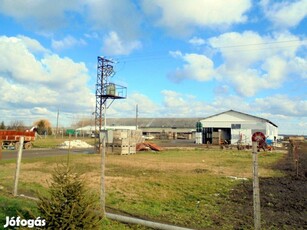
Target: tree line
43	126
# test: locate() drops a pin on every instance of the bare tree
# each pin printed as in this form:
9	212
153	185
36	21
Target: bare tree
83	122
2	125
16	125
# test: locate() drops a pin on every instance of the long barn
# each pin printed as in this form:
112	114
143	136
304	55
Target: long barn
233	126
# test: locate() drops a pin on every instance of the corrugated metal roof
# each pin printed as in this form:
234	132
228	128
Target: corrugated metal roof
155	122
243	114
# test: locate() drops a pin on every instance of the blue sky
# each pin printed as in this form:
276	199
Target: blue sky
177	58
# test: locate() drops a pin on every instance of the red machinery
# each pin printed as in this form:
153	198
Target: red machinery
10	138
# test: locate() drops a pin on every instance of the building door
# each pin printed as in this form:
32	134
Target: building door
207	135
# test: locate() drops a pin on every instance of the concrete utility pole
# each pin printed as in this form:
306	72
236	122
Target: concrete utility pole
21	140
102	135
256	190
57	122
136	116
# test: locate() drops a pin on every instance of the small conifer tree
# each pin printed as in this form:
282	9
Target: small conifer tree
69	206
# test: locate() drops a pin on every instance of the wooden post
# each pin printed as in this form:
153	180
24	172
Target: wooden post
21	140
295	148
290	149
256	192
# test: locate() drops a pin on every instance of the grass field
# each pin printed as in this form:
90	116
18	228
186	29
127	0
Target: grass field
182	187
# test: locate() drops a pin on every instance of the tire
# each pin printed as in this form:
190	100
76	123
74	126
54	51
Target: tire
16	145
28	145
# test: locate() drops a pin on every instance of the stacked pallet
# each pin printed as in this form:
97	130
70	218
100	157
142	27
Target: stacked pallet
124	142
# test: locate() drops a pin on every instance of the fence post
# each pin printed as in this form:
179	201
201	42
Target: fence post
21	140
256	192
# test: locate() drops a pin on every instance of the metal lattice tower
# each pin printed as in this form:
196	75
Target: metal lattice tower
104	91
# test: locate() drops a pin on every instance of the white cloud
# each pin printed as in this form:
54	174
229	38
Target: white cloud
40	84
120	15
249	62
42	15
174	104
285	111
33	45
285	14
197	41
303	125
197	67
183	16
177	104
232	43
253	62
114	45
127	107
45	17
282	105
299	65
25	67
40	111
66	43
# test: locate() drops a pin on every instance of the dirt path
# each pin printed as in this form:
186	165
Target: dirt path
283	200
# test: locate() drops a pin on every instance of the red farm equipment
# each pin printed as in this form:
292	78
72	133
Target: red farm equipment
10	139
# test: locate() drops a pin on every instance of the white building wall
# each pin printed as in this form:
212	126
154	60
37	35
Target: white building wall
245	134
249	125
216	124
271	132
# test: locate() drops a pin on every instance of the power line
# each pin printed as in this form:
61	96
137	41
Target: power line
257	49
258	44
159	56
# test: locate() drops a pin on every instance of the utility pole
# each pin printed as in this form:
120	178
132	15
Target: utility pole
104	91
104	71
258	138
57	123
256	192
19	156
136	116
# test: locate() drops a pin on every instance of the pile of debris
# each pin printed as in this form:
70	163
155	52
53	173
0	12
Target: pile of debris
147	146
74	144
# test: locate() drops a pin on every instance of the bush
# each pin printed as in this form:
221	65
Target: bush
69	205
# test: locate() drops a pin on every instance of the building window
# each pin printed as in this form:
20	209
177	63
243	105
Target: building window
236	126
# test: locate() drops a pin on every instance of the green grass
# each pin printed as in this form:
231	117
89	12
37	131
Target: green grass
10	206
181	187
26	209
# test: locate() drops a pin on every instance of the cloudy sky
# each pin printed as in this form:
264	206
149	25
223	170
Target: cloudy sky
177	58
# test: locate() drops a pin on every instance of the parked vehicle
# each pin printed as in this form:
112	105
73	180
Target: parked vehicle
10	138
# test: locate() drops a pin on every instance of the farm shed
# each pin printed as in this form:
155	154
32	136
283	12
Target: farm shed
233	126
160	128
168	128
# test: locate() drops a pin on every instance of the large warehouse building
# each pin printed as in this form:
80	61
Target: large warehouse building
233	126
159	128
